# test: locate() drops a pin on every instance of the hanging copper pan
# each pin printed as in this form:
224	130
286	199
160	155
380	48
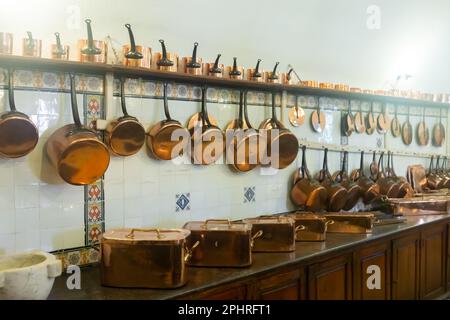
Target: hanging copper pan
354	191
360	126
308	193
371	122
337	195
296	115
348	121
318	119
243	152
369	189
395	125
445	173
407	131
389	187
434	180
438	132
423	134
76	151
405	189
167	139
374	167
207	140
125	136
282	144
383	121
18	134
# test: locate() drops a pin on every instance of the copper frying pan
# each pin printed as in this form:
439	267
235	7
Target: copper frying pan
438	132
371	122
318	119
76	151
348	122
374	167
354	191
296	115
434	181
167	139
360	126
389	187
207	144
395	125
370	190
383	121
125	136
282	144
18	134
405	189
423	134
407	131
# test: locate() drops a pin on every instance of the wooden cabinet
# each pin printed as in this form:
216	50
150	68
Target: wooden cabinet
331	279
284	286
234	293
433	261
372	272
405	267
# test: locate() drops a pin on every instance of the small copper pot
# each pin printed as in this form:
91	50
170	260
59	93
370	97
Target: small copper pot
31	47
273	76
136	55
235	71
6	43
255	74
59	52
165	61
90	50
213	69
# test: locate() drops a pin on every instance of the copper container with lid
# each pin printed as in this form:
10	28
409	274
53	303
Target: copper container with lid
273	76
136	55
234	71
273	233
222	243
165	61
213	69
191	65
310	227
350	222
31	47
144	258
59	51
90	50
6	43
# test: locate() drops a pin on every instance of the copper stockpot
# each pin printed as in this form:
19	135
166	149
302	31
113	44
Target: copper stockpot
31	47
310	227
75	151
234	71
165	61
306	192
273	76
243	152
18	134
345	222
125	136
256	74
337	194
144	258
59	52
369	189
213	69
282	144
163	138
191	65
273	233
6	43
222	243
354	191
90	50
136	55
207	139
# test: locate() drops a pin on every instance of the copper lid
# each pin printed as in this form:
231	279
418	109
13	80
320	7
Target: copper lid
270	220
146	236
306	216
218	225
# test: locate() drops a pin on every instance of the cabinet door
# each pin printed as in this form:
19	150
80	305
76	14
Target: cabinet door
284	286
405	267
331	279
236	293
433	255
372	274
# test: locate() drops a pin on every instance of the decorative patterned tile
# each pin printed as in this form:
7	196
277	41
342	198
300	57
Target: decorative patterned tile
182	91
249	194
182	202
95	212
148	88
212	95
94	232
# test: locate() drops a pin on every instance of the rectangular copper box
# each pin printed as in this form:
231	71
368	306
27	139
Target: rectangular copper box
309	226
273	234
349	222
222	243
146	259
420	205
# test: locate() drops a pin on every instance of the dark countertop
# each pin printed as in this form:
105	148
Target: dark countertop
205	278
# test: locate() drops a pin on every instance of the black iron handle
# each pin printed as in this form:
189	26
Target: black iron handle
132	54
90	49
73	98
247	121
12	103
122	97
30	44
241	110
273	75
361	165
164	61
205	116
193	63
59	48
166	102
257	73
430	168
215	68
303	167
235	71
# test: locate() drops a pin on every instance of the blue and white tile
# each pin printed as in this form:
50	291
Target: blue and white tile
183	202
249	194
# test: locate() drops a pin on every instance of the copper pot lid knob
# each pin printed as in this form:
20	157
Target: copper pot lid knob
133	53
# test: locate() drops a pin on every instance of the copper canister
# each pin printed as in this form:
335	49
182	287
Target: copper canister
309	226
234	71
222	243
98	58
6	43
63	56
31	47
144	258
146	60
183	66
349	222
273	233
157	56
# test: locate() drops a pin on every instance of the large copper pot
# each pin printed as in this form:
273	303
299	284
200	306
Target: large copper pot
136	55
90	50
75	151
192	64
164	61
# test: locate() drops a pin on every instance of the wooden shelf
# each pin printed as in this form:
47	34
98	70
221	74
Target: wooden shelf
20	62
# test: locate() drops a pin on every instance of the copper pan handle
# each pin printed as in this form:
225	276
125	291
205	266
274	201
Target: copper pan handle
224	221
329	222
300	227
189	252
131	234
256	236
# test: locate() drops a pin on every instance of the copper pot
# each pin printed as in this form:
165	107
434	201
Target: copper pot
354	191
6	43
405	189
434	180
306	192
310	227
282	144
165	61
145	258
136	55
163	138
31	47
90	50
125	136
389	186
18	134
213	69
256	74
234	71
287	78
273	76
59	52
191	65
75	151
345	222
222	243
369	189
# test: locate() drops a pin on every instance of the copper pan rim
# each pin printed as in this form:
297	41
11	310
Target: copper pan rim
140	135
31	126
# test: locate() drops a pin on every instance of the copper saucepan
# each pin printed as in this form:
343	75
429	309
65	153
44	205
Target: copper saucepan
165	61
306	192
337	195
272	76
163	138
59	52
256	74
18	134
192	64
91	50
405	189
125	136
370	190
282	144
208	142
389	187
213	69
76	151
235	71
136	55
434	181
354	191
31	47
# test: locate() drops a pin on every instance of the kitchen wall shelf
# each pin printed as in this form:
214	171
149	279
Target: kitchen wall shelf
20	62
